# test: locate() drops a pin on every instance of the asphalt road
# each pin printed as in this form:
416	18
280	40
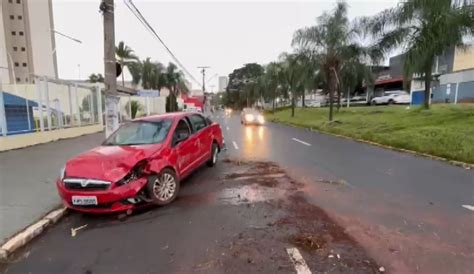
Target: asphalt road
409	212
380	208
238	217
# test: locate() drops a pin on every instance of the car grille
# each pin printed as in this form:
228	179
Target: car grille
85	184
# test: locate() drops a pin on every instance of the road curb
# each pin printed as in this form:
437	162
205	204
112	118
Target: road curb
29	233
416	153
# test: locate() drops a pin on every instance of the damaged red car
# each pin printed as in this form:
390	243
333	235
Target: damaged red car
142	162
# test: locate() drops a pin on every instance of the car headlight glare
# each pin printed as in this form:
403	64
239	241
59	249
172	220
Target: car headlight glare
249	117
260	119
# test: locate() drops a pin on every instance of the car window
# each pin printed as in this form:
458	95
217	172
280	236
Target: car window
139	133
198	122
181	128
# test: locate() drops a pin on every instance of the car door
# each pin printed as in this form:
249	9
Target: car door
203	133
187	150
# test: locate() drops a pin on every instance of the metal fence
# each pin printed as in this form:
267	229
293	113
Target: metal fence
48	105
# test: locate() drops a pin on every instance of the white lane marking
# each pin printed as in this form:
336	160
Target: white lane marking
227	128
296	258
470	207
302	142
235	145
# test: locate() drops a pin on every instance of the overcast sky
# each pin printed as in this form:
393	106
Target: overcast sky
221	34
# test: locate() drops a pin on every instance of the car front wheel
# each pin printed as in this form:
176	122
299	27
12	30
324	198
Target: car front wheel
164	187
373	103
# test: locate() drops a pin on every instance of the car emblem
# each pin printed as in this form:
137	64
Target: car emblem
84	183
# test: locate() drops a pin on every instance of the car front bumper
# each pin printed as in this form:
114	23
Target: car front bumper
108	201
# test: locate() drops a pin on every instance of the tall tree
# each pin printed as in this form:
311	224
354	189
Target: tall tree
125	57
272	82
242	82
424	29
136	70
331	42
174	81
291	70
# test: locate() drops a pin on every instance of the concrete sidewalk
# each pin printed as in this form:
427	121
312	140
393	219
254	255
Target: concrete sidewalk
27	180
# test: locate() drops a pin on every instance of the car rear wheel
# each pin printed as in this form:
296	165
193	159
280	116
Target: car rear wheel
390	102
373	103
214	153
164	187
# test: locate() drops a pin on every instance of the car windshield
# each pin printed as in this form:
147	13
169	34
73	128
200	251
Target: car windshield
140	133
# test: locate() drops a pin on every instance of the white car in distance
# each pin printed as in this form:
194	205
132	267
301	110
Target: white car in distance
391	97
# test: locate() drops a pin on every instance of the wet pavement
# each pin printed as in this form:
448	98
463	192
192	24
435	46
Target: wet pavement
346	207
407	211
239	217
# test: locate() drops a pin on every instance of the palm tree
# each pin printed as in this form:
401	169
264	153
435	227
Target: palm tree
135	106
136	70
291	72
271	82
125	57
331	42
174	81
424	29
149	74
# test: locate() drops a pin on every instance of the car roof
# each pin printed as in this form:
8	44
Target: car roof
171	115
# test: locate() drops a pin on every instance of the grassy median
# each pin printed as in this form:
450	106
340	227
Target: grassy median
444	130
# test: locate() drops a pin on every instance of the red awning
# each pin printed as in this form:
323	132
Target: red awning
388	81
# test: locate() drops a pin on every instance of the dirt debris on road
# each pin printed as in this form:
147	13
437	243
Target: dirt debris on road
240	217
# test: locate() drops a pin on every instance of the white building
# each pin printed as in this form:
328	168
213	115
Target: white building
223	82
27	43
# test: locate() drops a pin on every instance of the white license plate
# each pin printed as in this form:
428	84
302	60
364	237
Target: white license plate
84	200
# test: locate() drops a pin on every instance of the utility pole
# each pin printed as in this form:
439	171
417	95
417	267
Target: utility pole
110	74
203	71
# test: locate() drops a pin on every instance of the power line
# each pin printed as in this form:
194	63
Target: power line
135	11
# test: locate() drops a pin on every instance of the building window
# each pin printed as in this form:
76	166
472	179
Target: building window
20	17
13	33
23	49
26	80
18	80
15	48
18	1
10	1
21	33
12	17
17	64
24	64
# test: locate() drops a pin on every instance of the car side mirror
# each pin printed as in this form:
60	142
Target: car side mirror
181	137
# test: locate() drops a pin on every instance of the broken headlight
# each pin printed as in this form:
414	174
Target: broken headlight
134	174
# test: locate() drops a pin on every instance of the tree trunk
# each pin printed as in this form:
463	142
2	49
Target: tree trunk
338	99
292	104
302	101
428	76
332	84
123	79
273	102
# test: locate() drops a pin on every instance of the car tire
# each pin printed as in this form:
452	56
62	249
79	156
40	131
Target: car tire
214	153
390	102
373	103
159	187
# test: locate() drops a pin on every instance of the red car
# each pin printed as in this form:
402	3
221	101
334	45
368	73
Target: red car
142	162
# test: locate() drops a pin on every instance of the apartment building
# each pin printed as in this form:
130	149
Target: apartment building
27	42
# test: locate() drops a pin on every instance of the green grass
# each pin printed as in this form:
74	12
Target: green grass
444	130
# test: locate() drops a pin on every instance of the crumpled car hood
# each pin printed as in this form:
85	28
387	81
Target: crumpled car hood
109	163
